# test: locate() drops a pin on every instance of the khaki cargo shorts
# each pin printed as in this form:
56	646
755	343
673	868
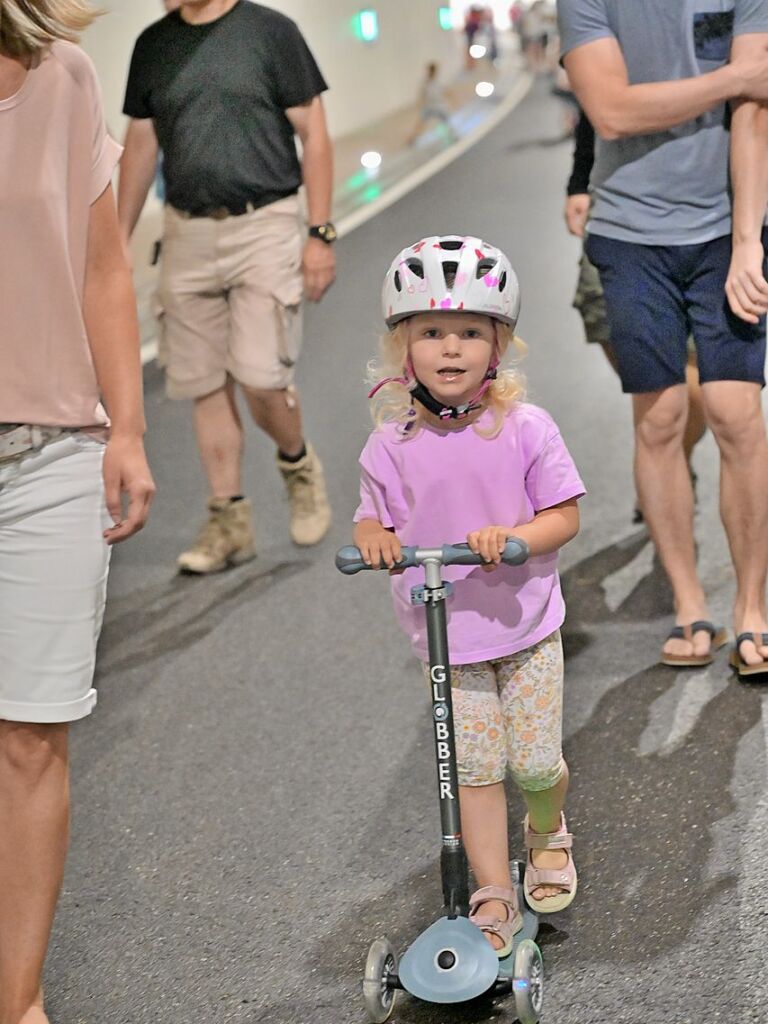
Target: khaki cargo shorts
229	299
590	303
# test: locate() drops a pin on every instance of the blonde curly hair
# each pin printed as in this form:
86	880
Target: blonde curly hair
28	26
392	403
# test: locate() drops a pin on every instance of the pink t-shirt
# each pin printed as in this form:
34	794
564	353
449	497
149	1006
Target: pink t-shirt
438	486
56	159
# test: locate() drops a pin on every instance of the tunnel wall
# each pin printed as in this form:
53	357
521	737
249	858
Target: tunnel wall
367	80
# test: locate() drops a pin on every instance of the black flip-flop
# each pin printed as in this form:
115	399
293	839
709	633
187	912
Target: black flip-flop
742	667
718	636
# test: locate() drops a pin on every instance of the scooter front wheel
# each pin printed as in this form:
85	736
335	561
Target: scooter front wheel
528	982
380	965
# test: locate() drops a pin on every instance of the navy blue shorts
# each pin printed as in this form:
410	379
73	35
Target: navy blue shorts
658	295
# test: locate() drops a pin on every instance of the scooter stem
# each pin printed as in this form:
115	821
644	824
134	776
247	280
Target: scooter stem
453	858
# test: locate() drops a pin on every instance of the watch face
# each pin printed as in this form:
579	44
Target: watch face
326	232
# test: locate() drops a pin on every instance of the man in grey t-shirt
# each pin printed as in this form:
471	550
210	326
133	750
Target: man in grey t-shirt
654	79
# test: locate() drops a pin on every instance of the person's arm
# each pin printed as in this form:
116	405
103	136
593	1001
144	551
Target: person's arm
599	78
319	260
578	199
746	287
109	311
548	531
583	157
137	172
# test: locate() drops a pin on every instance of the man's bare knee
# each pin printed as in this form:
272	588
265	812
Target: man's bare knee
737	425
660	418
30	749
272	398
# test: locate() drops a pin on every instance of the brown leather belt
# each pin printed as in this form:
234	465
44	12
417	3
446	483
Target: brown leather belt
217	212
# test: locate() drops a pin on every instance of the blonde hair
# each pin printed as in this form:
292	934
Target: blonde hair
393	402
28	26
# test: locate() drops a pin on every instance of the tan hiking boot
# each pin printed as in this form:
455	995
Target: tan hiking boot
310	511
226	539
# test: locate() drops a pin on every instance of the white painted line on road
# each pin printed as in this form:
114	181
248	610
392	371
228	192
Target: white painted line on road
442	160
412	181
619	585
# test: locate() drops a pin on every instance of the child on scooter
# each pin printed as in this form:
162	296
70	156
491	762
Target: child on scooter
457	454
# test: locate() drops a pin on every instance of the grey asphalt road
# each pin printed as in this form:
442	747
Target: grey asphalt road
254	799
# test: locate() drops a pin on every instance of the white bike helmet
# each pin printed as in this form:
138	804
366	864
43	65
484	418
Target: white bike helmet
451	272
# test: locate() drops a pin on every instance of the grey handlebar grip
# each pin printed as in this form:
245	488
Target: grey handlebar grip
515	553
349	560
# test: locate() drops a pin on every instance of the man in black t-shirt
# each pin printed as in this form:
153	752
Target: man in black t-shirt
223	87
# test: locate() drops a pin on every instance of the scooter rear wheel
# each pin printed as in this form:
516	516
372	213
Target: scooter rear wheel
379	997
528	982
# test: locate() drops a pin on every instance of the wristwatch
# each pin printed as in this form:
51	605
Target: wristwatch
325	232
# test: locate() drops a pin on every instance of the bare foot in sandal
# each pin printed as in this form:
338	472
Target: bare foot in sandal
548	860
693	643
750	653
494	910
550	875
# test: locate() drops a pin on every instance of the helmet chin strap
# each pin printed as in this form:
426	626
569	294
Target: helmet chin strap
434	405
452	412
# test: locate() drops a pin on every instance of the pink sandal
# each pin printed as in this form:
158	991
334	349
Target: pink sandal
505	930
563	878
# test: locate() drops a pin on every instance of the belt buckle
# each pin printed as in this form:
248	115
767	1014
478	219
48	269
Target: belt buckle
14	443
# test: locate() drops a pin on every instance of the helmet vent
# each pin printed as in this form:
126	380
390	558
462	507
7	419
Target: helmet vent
503	281
484	267
452	244
449	272
416	267
398	282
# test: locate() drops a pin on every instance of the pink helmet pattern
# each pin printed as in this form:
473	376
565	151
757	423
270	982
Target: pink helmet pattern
451	272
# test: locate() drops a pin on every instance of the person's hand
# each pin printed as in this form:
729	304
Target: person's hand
489	543
379	548
319	267
751	70
126	473
576	213
746	286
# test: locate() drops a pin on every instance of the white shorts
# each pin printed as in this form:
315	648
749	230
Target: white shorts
53	579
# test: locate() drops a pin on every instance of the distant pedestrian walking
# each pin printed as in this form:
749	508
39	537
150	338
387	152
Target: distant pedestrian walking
223	86
432	104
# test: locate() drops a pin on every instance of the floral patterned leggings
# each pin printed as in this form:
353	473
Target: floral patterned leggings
508	713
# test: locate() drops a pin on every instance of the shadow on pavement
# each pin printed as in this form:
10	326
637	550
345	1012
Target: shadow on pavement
170	617
643	823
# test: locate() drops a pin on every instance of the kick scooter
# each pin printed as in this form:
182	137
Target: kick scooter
452	960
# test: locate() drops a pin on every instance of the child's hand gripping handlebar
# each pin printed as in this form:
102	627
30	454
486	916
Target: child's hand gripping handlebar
349	560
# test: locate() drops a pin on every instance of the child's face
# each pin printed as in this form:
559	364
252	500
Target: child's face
451	352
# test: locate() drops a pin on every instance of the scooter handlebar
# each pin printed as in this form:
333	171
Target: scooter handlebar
350	561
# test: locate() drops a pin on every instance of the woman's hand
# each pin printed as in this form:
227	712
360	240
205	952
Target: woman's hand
378	546
126	472
489	543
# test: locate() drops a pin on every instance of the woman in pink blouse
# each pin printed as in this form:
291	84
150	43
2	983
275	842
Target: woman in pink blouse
73	475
